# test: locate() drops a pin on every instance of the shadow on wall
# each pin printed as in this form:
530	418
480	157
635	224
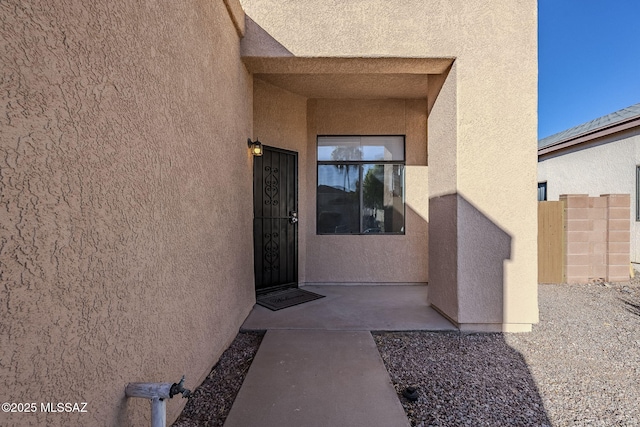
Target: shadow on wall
468	249
462	377
258	42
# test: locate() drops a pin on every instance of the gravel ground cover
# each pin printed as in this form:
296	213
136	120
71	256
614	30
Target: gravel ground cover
579	367
210	403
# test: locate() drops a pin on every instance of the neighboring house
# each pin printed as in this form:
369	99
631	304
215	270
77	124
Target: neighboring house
127	188
598	157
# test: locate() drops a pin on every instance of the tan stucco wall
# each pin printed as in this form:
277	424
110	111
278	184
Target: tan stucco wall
122	255
280	120
491	119
604	166
290	121
370	258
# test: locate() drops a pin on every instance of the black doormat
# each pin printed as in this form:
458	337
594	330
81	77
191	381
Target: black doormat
286	298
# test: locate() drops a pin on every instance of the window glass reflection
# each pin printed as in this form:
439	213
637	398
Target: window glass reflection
360	185
338	199
382	198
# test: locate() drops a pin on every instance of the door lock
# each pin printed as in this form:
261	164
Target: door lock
293	217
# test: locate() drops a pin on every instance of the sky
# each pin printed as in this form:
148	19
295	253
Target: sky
588	60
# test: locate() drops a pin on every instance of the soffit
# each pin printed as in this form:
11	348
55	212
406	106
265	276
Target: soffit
349	77
360	86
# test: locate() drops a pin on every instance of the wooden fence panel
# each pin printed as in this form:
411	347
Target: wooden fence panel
551	242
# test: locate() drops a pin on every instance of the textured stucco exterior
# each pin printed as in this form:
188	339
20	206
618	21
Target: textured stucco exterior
126	184
370	258
280	120
288	120
123	257
481	132
602	166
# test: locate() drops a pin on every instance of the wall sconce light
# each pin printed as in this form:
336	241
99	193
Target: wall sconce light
255	147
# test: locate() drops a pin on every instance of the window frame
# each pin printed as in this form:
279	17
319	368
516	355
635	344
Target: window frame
637	193
360	164
545	186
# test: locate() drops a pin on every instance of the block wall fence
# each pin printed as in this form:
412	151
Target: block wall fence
597	231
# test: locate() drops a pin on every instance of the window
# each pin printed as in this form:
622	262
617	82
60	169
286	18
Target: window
638	193
542	191
360	185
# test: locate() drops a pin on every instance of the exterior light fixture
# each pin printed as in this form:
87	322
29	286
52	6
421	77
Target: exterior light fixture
255	147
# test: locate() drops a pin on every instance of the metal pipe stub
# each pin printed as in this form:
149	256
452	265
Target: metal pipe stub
159	390
149	390
157	393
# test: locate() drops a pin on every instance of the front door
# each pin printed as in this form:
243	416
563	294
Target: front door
275	219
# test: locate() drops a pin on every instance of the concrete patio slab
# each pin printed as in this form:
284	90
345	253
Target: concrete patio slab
355	308
316	378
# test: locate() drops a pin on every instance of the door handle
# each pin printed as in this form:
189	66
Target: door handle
293	217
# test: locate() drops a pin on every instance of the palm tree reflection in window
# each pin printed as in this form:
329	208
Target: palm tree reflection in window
373	195
346	153
358	191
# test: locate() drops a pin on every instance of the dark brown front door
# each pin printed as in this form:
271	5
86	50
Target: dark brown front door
275	219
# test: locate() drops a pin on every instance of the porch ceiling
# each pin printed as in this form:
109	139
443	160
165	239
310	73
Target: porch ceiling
349	77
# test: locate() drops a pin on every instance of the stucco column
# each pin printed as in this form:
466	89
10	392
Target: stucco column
442	170
474	278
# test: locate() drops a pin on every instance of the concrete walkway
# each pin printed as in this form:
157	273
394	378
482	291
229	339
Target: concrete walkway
355	308
307	378
318	364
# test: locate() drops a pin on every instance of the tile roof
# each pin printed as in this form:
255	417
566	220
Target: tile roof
594	125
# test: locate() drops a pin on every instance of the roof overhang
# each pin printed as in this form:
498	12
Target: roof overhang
590	136
349	77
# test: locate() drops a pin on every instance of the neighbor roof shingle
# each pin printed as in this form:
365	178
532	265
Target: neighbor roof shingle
592	126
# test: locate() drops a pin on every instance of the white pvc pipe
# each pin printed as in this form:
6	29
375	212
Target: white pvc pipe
158	412
157	393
